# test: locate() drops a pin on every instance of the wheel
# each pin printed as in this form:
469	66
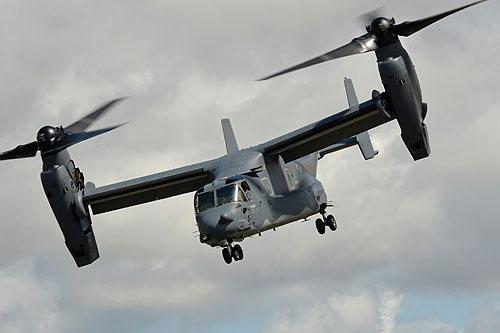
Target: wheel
331	223
237	250
226	255
320	226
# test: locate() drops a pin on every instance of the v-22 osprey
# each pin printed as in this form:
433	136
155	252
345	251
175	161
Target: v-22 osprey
247	191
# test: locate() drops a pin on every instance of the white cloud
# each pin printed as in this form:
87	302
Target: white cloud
388	309
28	303
355	311
341	313
486	319
359	311
403	226
429	324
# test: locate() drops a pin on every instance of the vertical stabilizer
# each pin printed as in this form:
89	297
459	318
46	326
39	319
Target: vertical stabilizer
362	139
229	138
365	145
352	99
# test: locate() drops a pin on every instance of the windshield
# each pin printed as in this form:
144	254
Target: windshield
230	193
204	201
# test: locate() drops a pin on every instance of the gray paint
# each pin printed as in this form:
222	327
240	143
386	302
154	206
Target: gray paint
229	138
402	101
289	162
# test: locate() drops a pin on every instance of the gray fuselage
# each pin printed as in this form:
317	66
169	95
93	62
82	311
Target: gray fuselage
232	208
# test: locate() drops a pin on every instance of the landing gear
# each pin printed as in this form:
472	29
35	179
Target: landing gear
320	226
232	252
227	255
237	252
325	221
331	223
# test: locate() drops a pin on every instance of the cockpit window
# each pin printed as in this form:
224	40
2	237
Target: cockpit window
204	201
245	186
230	193
247	190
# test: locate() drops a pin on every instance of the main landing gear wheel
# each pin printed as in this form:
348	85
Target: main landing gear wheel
320	226
237	252
227	255
230	252
331	223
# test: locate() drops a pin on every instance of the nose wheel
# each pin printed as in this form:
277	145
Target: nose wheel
232	252
329	221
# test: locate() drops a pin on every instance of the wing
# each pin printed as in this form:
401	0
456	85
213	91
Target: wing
148	188
329	131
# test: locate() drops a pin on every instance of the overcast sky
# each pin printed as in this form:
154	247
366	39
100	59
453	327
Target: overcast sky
417	245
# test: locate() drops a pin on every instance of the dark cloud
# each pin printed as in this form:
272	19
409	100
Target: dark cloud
403	226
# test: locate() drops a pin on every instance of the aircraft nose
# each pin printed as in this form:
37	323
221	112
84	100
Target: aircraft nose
206	223
226	217
210	227
218	224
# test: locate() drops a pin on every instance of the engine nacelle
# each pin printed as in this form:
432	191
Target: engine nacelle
403	102
65	200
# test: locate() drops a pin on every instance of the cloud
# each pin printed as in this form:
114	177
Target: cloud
388	309
28	302
342	313
357	311
404	226
428	324
485	319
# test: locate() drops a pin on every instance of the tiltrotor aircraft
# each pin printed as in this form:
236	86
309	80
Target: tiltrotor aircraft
247	191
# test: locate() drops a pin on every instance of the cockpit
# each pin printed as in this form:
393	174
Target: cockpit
231	189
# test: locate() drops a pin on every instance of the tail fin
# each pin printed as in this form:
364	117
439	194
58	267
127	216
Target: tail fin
362	139
229	138
352	99
365	145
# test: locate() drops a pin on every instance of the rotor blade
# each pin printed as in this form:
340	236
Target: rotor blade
358	45
71	139
21	151
410	27
369	17
86	121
